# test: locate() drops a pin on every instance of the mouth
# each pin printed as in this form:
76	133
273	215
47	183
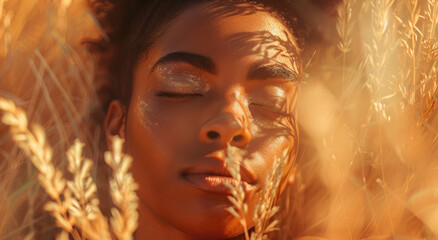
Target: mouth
215	183
212	175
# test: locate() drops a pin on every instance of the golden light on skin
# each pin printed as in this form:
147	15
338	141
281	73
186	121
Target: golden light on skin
176	80
409	172
143	107
171	139
226	30
369	172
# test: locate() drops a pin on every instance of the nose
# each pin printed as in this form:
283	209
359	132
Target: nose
228	127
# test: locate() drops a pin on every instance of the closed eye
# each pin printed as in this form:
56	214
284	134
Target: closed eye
177	95
272	110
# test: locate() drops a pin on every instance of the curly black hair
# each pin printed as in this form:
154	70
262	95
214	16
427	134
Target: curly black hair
131	26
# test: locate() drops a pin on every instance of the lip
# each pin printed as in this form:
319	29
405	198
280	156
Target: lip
210	175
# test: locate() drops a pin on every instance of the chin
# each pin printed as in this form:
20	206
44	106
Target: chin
207	217
204	232
214	225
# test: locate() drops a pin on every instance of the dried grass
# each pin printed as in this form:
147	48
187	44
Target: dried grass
122	186
74	204
266	208
239	207
370	165
37	149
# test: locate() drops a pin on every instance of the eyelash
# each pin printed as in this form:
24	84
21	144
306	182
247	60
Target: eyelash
177	95
184	95
265	108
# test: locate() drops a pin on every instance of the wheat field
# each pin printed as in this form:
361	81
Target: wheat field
368	157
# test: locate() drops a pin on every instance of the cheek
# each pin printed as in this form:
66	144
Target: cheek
153	140
142	142
264	150
163	133
143	109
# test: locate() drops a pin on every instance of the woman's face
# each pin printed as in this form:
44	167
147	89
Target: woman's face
215	77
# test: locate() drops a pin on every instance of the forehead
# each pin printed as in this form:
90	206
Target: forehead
228	30
228	18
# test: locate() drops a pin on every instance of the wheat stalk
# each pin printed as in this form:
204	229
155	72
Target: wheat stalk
122	186
237	198
432	15
81	208
344	27
380	76
38	150
379	50
429	74
84	203
430	43
411	34
266	209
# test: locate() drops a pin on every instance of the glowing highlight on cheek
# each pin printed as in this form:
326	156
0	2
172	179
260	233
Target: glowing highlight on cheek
255	130
268	152
144	111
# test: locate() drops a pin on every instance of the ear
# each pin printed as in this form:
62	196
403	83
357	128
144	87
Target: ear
115	121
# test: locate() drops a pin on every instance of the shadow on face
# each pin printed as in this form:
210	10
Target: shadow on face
219	74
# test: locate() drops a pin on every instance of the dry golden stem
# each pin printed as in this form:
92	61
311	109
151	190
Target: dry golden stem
122	186
415	14
429	73
266	207
38	150
432	15
379	54
80	210
344	27
240	208
84	204
380	45
411	35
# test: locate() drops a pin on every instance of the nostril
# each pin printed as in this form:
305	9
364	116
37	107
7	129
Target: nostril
237	138
213	134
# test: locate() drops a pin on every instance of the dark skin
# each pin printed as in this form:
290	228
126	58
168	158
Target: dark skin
195	93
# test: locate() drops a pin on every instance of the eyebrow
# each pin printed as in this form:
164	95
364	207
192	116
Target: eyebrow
271	71
202	62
